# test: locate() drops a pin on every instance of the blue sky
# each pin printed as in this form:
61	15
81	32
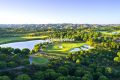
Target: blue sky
59	11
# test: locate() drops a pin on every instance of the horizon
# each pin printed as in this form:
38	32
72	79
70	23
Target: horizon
56	23
59	12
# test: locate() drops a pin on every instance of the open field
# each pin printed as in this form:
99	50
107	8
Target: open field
4	40
62	48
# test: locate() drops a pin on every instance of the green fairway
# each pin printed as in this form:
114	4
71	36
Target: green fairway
39	60
4	40
65	47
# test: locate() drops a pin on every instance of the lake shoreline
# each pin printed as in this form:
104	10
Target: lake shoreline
24	44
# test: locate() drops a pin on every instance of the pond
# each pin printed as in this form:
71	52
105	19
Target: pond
84	48
75	50
24	44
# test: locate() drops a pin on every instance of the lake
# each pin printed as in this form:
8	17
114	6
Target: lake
24	44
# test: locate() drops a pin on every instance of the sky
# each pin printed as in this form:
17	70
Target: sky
59	11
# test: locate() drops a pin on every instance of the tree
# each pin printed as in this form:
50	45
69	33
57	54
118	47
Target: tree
25	62
68	78
96	75
62	78
51	75
10	50
63	70
23	77
4	78
118	54
17	50
3	57
36	48
90	42
103	78
25	51
39	76
79	73
47	75
108	71
4	50
11	64
87	77
3	65
117	59
77	61
16	58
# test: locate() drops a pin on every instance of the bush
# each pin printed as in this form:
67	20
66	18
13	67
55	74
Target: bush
63	70
3	65
23	77
11	64
4	78
103	78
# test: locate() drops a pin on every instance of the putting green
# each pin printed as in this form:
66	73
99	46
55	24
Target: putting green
39	60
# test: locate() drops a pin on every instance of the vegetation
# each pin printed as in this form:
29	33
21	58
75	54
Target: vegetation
99	63
63	47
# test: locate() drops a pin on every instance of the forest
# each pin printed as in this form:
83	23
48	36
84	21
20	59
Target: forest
97	57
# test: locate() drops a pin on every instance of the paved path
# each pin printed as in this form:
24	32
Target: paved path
10	69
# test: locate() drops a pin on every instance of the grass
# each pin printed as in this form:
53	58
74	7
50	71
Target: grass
110	33
107	33
66	47
34	37
5	40
40	60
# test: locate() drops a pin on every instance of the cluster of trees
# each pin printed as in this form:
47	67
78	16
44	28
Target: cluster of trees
11	58
94	38
77	34
95	64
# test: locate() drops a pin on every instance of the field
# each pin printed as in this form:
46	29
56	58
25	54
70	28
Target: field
55	51
60	49
4	40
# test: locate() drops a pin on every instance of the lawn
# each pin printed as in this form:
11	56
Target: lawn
66	47
39	60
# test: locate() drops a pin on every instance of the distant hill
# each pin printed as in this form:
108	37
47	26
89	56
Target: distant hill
55	26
